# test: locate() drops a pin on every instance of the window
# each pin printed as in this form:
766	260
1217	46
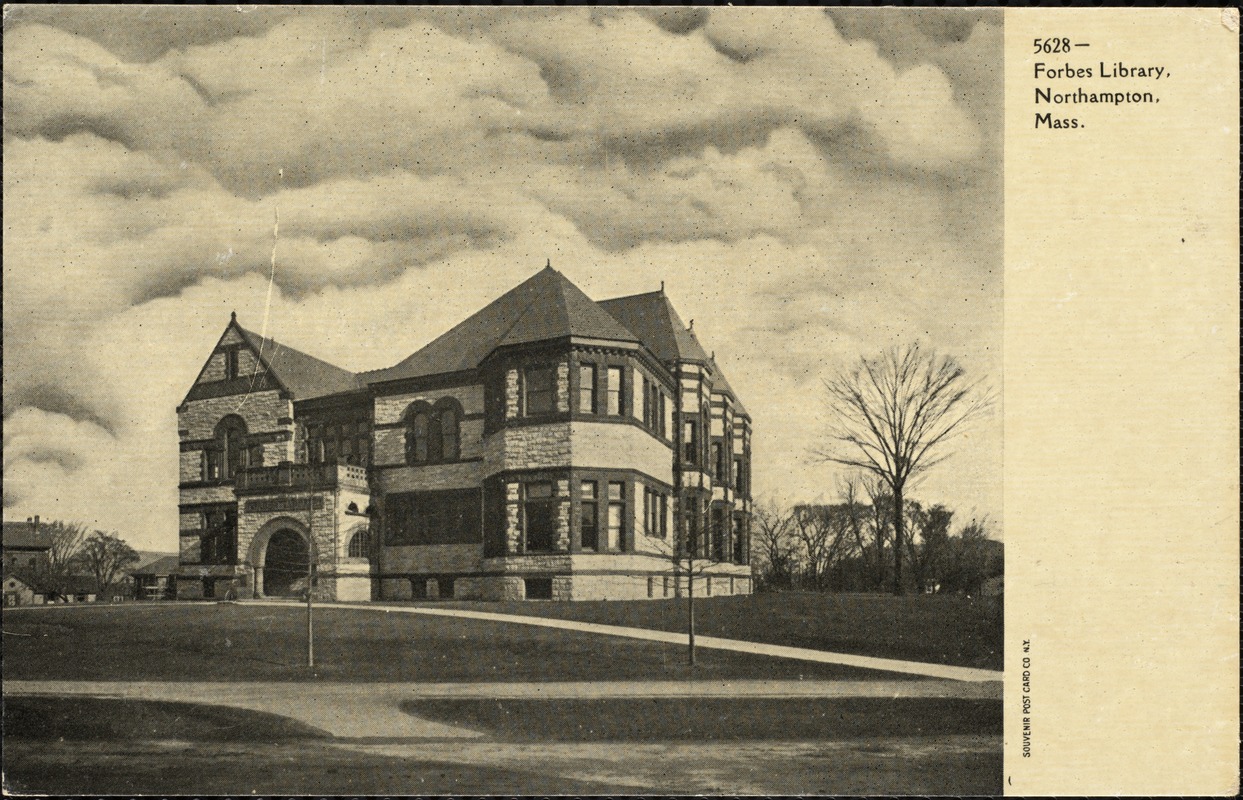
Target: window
230	452
690	441
654	508
358	545
218	541
539	386
539	514
645	398
617	515
738	539
230	364
417	445
589	519
740	482
587	388
614	406
692	527
449	447
718	534
718	463
447	516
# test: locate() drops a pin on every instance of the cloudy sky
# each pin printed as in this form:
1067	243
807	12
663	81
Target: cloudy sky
810	185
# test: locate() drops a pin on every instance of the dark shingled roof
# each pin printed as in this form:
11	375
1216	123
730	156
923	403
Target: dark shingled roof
545	306
720	384
305	376
652	318
161	566
22	535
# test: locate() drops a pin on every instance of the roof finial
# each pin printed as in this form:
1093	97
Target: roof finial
691	327
662	287
548	263
233	316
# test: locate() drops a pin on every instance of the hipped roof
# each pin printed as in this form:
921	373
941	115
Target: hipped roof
545	306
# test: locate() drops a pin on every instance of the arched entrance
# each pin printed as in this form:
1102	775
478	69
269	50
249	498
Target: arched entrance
285	564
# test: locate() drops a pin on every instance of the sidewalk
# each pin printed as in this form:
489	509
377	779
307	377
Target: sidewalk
373	710
941	671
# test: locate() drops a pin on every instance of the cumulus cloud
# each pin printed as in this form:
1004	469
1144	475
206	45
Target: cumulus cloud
808	185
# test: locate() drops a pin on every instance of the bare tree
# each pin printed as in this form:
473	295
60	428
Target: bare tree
932	525
824	532
106	556
51	571
692	554
892	415
772	543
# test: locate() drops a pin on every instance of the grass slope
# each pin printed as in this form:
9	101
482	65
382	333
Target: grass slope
937	629
210	642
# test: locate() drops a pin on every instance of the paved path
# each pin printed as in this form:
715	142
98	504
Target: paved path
372	710
941	671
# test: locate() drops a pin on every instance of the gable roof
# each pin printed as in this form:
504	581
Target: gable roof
166	565
24	536
545	306
653	319
304	376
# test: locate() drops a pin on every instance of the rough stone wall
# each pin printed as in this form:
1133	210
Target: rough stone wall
247	364
528	447
208	494
191	466
396	589
389	409
432	558
609	587
563	516
189	547
563	386
437	476
601	445
390	443
490	588
513	517
512	407
214	369
260	411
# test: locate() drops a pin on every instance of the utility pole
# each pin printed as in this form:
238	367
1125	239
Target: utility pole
310	580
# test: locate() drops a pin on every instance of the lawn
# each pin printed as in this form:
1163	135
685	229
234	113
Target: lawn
227	642
931	628
715	719
105	747
127	747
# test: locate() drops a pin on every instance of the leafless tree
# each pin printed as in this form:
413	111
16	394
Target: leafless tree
106	556
772	543
824	531
692	555
893	414
52	571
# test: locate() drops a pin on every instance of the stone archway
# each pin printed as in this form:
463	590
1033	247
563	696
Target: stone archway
285	564
280	545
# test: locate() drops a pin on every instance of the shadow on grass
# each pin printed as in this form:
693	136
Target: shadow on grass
75	746
715	719
85	719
